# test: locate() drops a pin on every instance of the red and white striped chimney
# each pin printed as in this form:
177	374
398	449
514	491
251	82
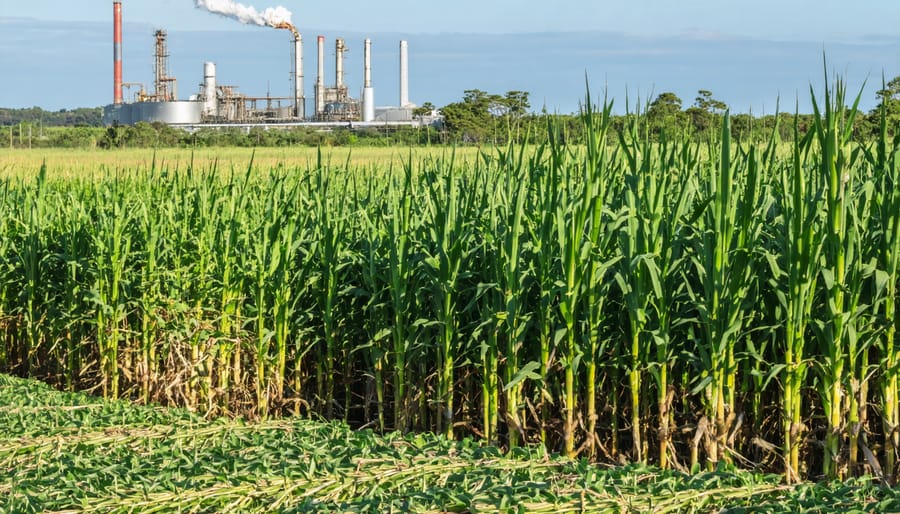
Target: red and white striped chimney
117	52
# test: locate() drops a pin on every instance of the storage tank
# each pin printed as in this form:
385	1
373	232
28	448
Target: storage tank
172	113
117	114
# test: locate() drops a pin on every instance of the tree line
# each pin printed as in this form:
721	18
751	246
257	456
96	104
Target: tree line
480	117
80	117
160	135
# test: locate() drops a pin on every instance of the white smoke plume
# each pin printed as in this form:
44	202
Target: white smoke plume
272	16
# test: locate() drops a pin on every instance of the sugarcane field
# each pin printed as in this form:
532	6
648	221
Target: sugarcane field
616	325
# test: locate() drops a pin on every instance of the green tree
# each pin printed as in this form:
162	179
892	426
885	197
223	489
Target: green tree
705	111
470	119
889	97
424	109
481	115
517	103
665	115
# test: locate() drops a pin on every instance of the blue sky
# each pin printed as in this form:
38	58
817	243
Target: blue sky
751	55
819	20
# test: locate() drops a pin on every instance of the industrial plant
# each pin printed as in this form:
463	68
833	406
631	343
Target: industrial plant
218	104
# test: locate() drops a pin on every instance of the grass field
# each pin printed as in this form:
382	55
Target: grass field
95	163
69	452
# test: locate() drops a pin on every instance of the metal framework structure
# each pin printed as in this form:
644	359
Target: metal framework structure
163	92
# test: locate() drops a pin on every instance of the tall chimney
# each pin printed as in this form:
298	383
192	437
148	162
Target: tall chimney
404	73
338	63
299	99
367	63
117	52
368	92
320	79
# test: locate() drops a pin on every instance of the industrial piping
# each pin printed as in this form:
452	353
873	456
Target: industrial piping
404	74
117	52
368	92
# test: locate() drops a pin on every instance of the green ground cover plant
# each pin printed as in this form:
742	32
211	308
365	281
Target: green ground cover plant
70	452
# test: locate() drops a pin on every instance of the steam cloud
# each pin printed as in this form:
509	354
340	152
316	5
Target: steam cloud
272	16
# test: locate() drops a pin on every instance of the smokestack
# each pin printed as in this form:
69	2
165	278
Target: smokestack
320	79
368	92
271	16
117	52
338	63
367	62
299	99
404	73
210	100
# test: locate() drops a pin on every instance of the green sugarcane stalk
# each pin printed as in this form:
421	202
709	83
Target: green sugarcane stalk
887	211
602	256
513	290
399	232
800	247
446	230
542	235
833	132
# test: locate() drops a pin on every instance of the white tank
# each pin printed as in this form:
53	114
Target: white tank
171	113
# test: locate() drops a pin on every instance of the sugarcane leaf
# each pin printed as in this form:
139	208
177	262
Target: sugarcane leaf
526	372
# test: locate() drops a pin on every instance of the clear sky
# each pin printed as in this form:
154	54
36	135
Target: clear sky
809	20
750	54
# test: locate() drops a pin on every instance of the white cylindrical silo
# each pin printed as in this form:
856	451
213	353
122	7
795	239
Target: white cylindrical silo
210	99
404	74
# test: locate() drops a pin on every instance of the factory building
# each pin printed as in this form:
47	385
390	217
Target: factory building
218	104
